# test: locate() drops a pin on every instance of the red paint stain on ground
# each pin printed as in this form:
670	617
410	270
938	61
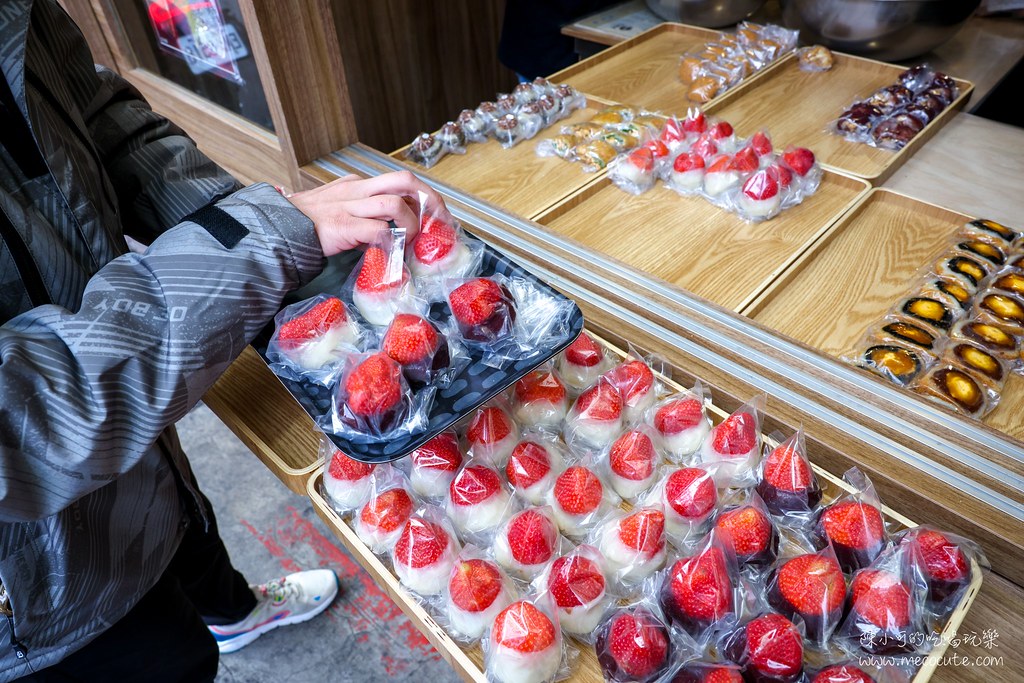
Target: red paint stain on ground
364	610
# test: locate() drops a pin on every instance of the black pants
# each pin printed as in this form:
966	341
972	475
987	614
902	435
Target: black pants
164	637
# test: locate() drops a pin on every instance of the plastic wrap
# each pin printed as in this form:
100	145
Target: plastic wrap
985	367
578	586
491	435
747	528
990	337
434	464
596	417
421	350
582	362
706	672
594	155
426	150
441	249
535	463
768	647
947	563
735	445
633	462
509	132
380	283
580	499
312	338
952	386
982	228
809	587
633	544
425	552
853	524
787	483
527	542
569	98
634	645
477	502
525	644
531	119
452	137
373	400
540	400
1002	308
700	593
681	423
347	482
636	382
380	521
815	58
633	172
476	592
474	125
690	500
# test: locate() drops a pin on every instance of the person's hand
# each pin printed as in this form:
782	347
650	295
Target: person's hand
351	211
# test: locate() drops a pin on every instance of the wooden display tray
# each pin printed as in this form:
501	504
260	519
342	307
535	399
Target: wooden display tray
468	662
691	243
644	71
796	106
849	280
515	179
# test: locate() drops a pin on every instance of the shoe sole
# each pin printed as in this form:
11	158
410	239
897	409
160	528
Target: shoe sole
236	644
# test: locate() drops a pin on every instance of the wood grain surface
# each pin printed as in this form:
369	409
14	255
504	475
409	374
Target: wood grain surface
515	179
642	71
796	106
694	244
847	282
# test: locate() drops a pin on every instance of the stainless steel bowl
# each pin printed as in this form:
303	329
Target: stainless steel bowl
889	30
709	13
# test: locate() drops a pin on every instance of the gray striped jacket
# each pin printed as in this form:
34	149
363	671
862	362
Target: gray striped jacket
93	486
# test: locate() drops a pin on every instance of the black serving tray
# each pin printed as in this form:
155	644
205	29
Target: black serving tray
474	385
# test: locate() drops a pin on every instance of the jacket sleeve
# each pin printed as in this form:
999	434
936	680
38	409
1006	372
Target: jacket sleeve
87	392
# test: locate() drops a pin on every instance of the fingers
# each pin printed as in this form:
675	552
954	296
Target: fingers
401	183
386	207
352	232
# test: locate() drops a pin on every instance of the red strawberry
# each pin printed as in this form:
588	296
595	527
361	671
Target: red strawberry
374	388
695	123
720	164
854	525
584	351
691	492
601	402
843	673
723	674
489	426
780	174
705	147
474	485
698	590
484	309
800	160
786	469
632	456
736	435
881	598
440	453
421	543
745	161
943	559
374	276
528	464
474	585
678	415
542	386
531	537
643	159
673	131
387	511
687	162
633	379
644	531
575	580
774	646
410	339
761	144
634	645
721	130
747	530
434	241
523	628
761	186
812	584
578	490
658	148
312	324
345	468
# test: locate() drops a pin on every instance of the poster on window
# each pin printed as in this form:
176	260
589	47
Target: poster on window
195	31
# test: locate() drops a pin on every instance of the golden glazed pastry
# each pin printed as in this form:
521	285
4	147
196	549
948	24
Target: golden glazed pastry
597	154
1007	310
962	268
985	227
929	311
584	131
689	69
984	250
816	58
992	337
956	387
950	290
1010	282
979	362
895	363
703	89
909	333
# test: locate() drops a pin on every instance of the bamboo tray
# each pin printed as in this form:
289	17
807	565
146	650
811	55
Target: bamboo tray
515	179
468	662
691	243
796	106
643	71
858	271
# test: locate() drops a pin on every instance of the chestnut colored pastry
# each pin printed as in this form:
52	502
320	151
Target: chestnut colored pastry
954	386
962	268
549	108
1010	282
689	69
858	119
984	250
488	111
452	136
425	149
655	121
607	118
531	117
895	363
507	129
1007	310
929	311
890	98
909	333
525	93
703	89
897	130
507	104
979	362
815	58
992	337
620	142
472	123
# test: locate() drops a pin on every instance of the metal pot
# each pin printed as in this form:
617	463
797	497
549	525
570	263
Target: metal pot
709	13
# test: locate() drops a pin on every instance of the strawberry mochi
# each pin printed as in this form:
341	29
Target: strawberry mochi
477	501
348	482
381	519
414	343
635	171
532	469
634	545
733	445
318	336
434	465
578	586
524	645
771	648
682	425
720	176
699	591
760	196
424	555
634	380
596	416
477	592
690	498
438	249
582	362
633	646
687	173
577	498
381	284
374	395
484	310
540	400
492	435
632	464
526	542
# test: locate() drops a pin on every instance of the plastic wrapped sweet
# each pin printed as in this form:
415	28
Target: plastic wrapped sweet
474	126
347	482
594	155
748	531
1009	283
634	172
578	586
425	150
579	498
596	417
483	309
570	98
583	131
968	271
810	586
452	138
632	463
582	362
508	131
690	499
390	505
633	543
418	347
983	228
902	332
527	542
698	593
434	464
635	382
815	58
489	114
760	197
788	484
477	501
992	337
373	397
890	98
549	109
633	645
711	672
946	561
857	121
952	386
491	435
952	292
895	131
981	364
312	338
931	313
687	174
525	93
524	645
478	590
1000	308
853	524
425	552
533	467
720	177
768	648
540	400
441	249
842	672
981	249
531	119
381	284
898	364
506	103
734	445
802	162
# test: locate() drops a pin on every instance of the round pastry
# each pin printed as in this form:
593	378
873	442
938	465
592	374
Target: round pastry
925	107
348	482
687	173
881	608
634	381
452	136
856	531
473	124
772	648
858	119
690	498
750	534
525	93
943	564
476	499
569	98
543	87
540	400
381	520
532	468
635	171
434	465
425	149
698	591
733	446
582	362
895	363
526	543
477	591
488	111
577	584
424	556
374	396
492	435
992	337
916	77
815	58
415	344
508	131
788	483
759	196
531	118
596	154
507	104
633	646
633	464
549	109
524	646
314	339
377	290
897	130
890	98
484	310
596	416
576	498
682	425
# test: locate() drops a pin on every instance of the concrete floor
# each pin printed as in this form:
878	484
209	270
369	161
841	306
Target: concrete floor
269	532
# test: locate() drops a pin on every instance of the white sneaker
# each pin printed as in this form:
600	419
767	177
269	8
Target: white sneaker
290	600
